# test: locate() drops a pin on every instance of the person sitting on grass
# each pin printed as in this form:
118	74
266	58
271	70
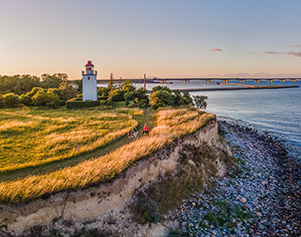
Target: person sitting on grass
145	130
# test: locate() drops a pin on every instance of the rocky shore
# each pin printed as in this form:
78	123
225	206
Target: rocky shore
260	196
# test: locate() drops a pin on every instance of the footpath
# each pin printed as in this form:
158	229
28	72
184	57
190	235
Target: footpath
261	196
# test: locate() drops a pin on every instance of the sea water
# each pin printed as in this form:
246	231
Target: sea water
273	110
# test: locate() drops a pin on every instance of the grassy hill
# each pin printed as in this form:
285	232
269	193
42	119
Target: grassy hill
44	151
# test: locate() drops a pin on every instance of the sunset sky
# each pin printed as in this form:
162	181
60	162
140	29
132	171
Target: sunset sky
162	38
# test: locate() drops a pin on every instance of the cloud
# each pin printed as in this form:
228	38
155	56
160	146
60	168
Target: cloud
215	50
296	54
272	52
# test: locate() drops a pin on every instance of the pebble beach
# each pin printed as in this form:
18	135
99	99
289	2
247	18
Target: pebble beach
260	196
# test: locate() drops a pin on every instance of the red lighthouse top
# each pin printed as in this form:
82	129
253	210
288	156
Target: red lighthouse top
89	64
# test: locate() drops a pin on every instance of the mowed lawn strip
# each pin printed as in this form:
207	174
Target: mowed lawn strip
171	124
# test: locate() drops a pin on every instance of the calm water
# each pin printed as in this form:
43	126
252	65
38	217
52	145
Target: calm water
274	110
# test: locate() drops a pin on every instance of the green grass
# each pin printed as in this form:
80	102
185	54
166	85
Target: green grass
97	161
32	137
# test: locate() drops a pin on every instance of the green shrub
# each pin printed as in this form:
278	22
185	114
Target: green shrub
110	101
116	94
34	91
51	105
143	103
148	210
200	101
81	104
102	97
41	98
1	101
103	91
26	99
11	100
161	98
102	102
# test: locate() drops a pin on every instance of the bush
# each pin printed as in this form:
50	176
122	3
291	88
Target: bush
138	96
102	102
161	88
134	105
102	97
161	98
148	210
34	91
81	104
116	94
103	91
41	98
128	86
11	100
51	105
1	101
110	101
67	91
26	99
200	101
143	103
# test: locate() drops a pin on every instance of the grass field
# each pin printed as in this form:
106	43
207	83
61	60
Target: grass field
31	137
170	124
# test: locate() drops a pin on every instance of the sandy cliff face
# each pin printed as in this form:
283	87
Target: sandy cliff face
107	206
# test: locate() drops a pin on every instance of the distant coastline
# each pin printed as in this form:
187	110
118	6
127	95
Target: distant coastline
235	88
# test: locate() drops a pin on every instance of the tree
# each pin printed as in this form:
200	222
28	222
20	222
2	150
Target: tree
18	84
43	98
34	91
160	88
103	91
200	101
128	86
67	91
10	100
1	101
79	84
161	98
53	81
111	82
186	99
139	96
116	94
26	99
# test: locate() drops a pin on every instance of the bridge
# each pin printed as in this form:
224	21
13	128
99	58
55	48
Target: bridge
205	80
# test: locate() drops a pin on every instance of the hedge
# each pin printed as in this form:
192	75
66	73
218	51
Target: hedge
81	104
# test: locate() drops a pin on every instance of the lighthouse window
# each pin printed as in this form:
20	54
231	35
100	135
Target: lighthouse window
88	78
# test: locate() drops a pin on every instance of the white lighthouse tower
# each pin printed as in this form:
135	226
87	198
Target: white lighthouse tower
89	82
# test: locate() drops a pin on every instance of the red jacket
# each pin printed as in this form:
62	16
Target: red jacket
146	128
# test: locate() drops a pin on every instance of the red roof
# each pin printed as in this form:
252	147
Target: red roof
89	64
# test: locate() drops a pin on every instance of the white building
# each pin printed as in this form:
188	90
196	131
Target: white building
89	82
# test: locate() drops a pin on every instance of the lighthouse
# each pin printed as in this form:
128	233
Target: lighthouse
89	83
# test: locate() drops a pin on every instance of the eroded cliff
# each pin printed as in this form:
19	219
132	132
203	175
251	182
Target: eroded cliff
114	208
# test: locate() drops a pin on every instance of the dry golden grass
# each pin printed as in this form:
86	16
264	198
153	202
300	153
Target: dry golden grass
172	124
31	138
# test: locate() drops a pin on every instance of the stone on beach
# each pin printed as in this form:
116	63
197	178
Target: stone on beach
243	200
264	184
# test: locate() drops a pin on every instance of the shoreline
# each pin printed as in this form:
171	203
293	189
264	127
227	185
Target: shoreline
265	184
236	88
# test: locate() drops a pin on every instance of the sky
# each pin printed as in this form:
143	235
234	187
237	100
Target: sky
162	38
